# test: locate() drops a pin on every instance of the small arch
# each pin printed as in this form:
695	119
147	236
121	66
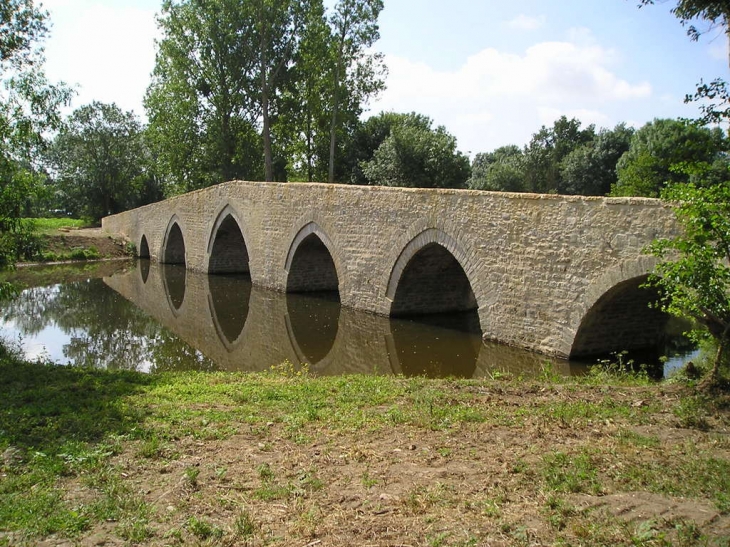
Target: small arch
227	250
428	277
310	263
173	247
144	248
621	319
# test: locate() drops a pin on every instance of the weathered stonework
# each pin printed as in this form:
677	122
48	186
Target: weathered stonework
537	264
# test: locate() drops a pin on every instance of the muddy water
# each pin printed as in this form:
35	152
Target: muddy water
153	318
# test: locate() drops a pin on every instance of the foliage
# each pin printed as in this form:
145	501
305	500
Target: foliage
546	151
590	169
99	157
232	98
416	155
715	12
694	272
661	145
200	128
502	170
355	74
29	108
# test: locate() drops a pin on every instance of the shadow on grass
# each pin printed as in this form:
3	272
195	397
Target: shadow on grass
44	406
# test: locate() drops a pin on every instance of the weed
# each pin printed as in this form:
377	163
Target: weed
692	412
202	529
191	477
572	474
245	526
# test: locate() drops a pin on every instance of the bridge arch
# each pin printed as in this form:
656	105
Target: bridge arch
227	249
614	315
431	275
173	245
312	263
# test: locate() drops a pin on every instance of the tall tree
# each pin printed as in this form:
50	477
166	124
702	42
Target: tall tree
356	74
99	157
200	107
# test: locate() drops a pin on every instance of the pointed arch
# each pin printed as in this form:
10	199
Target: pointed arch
227	249
431	275
173	246
312	262
144	248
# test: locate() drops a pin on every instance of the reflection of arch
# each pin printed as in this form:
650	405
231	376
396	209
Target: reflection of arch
144	248
442	346
173	246
312	263
228	302
621	319
174	279
312	324
144	268
227	250
430	276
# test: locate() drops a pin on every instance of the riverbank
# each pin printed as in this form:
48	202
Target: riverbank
280	458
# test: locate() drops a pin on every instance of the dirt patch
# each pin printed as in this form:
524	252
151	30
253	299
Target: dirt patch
67	240
473	483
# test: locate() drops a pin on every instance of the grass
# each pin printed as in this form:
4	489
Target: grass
305	448
47	226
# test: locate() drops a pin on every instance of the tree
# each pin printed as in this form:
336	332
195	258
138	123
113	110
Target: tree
99	157
416	156
546	151
29	109
590	169
502	170
203	124
658	147
694	272
356	74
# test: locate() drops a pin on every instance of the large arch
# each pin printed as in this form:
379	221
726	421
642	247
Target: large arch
227	250
622	318
173	246
311	262
429	278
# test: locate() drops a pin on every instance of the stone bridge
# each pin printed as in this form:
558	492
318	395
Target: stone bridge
559	275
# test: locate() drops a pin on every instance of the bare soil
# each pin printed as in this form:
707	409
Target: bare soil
408	485
67	240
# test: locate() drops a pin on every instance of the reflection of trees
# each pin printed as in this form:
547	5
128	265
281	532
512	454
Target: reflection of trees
168	353
105	330
31	310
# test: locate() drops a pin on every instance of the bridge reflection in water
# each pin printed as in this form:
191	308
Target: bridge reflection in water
244	327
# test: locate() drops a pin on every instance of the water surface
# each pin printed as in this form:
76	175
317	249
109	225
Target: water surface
149	317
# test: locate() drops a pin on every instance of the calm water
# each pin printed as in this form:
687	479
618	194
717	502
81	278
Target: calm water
154	318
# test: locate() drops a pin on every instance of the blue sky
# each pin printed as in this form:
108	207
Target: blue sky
492	72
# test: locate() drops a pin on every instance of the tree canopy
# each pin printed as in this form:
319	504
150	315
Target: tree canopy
418	155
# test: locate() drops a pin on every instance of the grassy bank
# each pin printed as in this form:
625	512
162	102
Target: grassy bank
280	458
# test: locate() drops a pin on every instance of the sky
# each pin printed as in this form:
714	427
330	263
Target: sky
491	71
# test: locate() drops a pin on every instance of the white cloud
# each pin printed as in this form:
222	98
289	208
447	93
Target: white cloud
106	49
525	22
498	98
